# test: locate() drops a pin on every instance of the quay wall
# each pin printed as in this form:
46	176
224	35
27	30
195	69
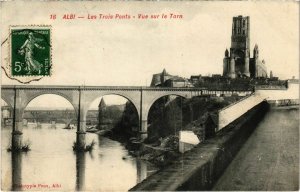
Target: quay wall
230	113
199	168
292	92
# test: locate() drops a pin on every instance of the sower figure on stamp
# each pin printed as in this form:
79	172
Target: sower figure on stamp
28	49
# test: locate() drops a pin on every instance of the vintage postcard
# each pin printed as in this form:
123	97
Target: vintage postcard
149	96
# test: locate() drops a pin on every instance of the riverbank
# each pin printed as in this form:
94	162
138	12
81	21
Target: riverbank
168	117
199	168
160	153
160	156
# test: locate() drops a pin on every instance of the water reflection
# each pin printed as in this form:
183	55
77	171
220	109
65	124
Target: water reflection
80	170
141	168
108	167
16	171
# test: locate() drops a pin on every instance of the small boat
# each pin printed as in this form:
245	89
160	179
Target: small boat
69	126
38	125
135	143
91	129
102	132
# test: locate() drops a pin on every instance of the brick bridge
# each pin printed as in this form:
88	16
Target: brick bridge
81	97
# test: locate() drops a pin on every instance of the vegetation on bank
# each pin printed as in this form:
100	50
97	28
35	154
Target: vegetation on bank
166	118
25	147
87	148
128	125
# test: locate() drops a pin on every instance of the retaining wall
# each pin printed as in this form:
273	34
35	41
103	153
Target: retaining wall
237	109
292	92
200	168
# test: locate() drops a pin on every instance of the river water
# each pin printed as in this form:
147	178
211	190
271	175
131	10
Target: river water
52	165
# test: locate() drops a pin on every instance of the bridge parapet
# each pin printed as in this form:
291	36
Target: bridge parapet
128	88
270	87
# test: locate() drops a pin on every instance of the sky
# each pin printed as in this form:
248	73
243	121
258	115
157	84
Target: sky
126	52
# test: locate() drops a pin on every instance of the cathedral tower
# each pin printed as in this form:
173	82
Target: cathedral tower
238	63
240	45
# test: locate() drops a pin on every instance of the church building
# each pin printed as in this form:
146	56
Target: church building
237	62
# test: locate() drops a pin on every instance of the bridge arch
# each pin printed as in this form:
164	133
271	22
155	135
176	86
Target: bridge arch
107	95
60	98
33	96
151	101
6	111
90	97
7	101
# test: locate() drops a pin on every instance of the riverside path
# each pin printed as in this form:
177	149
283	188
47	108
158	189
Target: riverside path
269	160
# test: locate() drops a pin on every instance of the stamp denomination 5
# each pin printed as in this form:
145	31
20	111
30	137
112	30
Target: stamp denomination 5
30	51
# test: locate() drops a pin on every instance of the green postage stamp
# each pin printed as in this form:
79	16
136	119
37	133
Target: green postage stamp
30	50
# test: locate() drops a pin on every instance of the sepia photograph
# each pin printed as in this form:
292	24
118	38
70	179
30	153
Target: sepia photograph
149	95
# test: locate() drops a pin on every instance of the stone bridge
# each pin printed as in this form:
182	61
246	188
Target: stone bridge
81	97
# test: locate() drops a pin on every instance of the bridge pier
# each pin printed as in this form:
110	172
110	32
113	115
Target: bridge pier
81	132
16	140
80	140
81	125
80	135
16	171
144	127
17	135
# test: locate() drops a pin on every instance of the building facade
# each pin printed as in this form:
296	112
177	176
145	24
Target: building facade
237	62
164	79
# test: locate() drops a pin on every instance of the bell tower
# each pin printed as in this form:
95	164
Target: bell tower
240	44
240	38
238	63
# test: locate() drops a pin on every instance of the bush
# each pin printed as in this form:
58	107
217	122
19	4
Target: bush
25	147
89	147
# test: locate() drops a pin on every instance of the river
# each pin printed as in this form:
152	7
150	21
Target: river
52	165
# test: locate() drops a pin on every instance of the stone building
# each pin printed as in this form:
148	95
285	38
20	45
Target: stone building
103	119
159	78
237	62
6	114
164	79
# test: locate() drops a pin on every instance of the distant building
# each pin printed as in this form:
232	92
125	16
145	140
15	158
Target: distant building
6	114
271	74
237	62
103	120
216	76
164	79
159	78
195	78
